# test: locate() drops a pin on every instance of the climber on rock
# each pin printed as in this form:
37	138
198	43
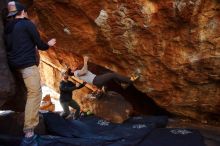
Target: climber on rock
99	80
66	89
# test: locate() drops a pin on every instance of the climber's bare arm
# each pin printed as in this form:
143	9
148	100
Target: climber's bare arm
84	69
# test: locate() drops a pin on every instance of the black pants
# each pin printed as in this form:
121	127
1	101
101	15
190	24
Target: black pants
101	80
65	105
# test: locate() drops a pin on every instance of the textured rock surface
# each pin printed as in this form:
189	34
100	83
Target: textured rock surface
112	106
173	43
5	83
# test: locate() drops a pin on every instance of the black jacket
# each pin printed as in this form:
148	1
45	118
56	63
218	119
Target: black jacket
21	38
66	89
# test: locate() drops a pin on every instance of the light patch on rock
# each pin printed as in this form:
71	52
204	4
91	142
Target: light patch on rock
182	4
212	25
122	10
197	6
179	4
193	58
67	31
102	18
116	51
149	8
177	38
202	36
145	26
128	22
148	90
191	2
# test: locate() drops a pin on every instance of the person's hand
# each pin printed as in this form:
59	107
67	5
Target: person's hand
25	14
51	42
84	83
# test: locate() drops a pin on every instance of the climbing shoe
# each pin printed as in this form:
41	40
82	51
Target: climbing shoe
134	77
70	116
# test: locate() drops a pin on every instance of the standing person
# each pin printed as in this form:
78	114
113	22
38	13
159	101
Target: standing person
100	80
66	89
21	38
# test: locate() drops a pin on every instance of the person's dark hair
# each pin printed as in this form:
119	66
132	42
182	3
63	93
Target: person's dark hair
19	13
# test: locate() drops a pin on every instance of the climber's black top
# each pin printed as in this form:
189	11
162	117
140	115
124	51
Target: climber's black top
66	89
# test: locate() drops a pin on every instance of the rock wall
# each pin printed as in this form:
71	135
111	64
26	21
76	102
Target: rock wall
6	84
174	44
12	90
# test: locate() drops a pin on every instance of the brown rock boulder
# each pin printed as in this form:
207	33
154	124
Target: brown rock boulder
111	106
6	80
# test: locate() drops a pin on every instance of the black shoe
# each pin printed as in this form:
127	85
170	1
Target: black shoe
64	115
30	141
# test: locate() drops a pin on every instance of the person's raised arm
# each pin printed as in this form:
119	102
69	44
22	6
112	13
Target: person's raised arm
84	69
32	30
78	85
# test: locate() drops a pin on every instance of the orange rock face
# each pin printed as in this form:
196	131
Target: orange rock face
175	45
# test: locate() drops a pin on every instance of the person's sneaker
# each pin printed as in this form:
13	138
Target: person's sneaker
134	77
70	116
75	117
30	141
63	114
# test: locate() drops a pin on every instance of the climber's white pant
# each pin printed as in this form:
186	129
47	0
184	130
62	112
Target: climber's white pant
32	82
